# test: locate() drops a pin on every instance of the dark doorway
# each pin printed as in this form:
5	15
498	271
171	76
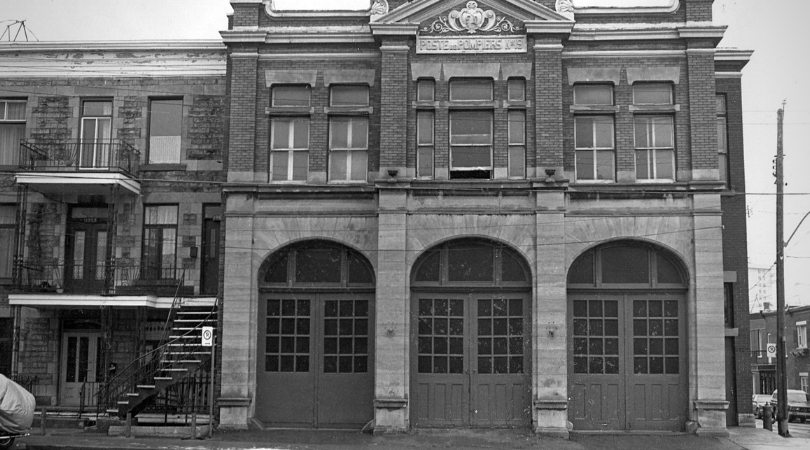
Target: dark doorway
212	217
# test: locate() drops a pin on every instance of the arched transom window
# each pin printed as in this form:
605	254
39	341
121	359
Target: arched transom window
316	264
625	264
471	262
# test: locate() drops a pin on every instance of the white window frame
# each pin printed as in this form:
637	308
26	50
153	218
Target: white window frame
595	149
425	148
290	151
667	85
652	150
353	117
801	334
173	154
517	143
13	156
489	145
722	136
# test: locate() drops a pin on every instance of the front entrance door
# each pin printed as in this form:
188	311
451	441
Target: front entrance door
80	365
472	360
210	250
316	360
627	366
86	256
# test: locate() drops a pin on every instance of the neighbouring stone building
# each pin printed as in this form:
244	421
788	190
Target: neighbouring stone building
112	158
489	213
429	213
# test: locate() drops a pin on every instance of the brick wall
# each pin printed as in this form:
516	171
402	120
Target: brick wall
735	252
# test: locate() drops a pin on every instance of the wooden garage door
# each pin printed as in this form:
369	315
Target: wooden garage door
472	362
316	364
627	365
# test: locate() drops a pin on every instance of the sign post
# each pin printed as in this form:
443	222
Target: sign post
771	350
208	341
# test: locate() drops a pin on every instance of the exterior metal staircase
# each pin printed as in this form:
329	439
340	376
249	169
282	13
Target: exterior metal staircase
171	370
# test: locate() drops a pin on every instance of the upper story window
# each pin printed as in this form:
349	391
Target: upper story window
348	134
654	135
593	94
594	143
96	133
517	143
655	148
425	90
289	135
652	94
516	90
12	130
722	136
348	96
471	132
801	334
425	138
470	144
288	95
7	214
159	242
467	90
165	130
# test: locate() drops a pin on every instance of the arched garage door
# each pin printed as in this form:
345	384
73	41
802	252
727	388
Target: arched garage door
315	337
627	341
471	358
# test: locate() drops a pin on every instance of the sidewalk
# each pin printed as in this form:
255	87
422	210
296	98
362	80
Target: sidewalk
740	438
760	439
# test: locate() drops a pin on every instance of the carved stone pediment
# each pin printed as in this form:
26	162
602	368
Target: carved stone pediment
473	18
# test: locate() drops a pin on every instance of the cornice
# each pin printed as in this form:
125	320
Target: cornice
695	31
146	45
548	27
623	54
394	29
113	59
732	54
243	35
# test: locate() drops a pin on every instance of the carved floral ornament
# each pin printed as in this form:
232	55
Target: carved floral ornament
471	19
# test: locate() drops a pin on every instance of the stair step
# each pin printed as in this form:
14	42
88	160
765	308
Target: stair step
164	378
182	361
133	394
174	369
146	386
112	411
122	402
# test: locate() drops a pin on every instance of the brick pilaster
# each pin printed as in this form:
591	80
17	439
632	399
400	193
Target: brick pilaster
702	114
242	141
548	105
394	107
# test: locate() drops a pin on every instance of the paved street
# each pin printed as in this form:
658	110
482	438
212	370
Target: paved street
741	438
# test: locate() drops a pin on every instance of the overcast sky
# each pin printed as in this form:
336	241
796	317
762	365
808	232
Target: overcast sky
773	29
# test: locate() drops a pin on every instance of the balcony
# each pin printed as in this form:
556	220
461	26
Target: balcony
80	167
119	278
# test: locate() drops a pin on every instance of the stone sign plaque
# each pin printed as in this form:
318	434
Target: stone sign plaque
477	44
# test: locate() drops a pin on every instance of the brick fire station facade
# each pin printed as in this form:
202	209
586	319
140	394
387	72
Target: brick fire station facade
430	213
494	213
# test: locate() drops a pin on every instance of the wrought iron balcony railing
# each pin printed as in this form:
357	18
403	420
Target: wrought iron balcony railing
121	277
80	156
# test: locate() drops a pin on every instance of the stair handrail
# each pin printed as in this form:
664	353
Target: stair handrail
137	371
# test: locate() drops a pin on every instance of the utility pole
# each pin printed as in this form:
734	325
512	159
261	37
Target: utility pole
781	364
